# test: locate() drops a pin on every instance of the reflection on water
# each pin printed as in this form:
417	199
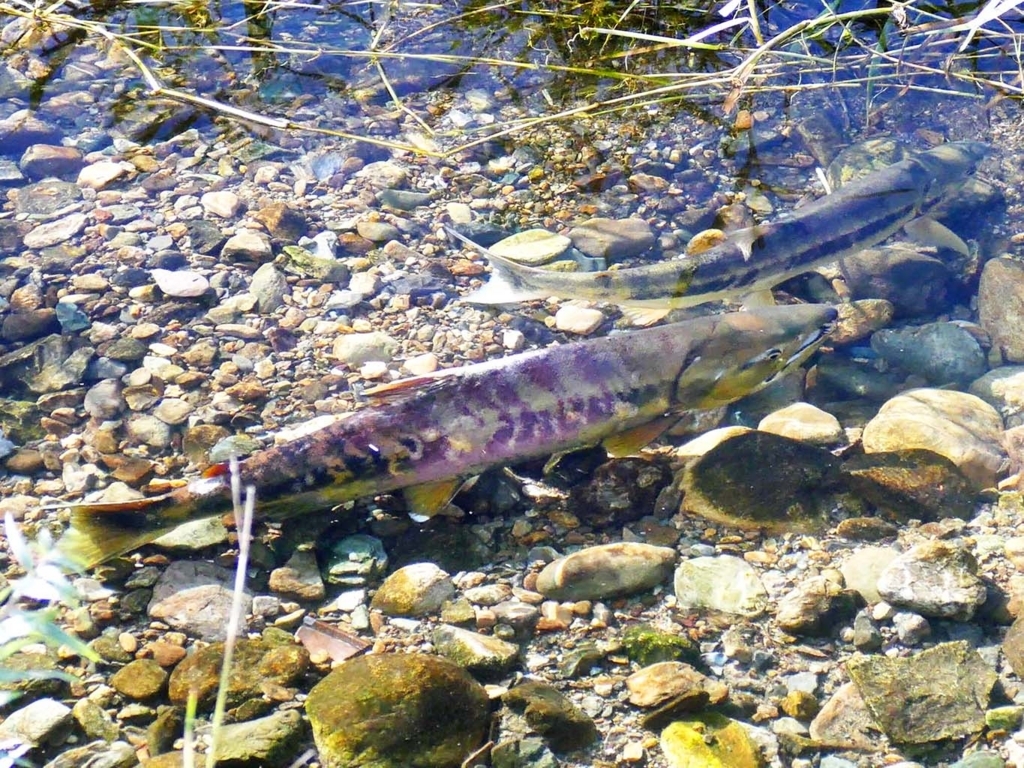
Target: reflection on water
327	62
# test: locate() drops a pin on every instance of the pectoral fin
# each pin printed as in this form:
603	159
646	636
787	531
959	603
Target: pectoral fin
426	500
927	231
628	443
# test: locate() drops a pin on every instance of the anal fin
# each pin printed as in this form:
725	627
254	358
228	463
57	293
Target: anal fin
641	317
927	231
428	499
628	443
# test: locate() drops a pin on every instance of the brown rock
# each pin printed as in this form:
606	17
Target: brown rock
963	428
42	160
845	722
283	222
1001	306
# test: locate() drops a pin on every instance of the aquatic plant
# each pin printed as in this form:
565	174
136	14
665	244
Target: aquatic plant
31	606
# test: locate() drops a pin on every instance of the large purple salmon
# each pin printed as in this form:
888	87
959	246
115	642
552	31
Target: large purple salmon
428	434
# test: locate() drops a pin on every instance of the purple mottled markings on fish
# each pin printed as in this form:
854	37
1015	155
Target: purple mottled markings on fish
505	432
599	407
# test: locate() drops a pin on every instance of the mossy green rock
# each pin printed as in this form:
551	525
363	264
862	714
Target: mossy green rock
940	693
34	682
19	420
301	262
397	711
140	679
646	645
709	741
1006	718
255	662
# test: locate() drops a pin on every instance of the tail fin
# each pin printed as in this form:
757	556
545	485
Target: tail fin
105	530
509	282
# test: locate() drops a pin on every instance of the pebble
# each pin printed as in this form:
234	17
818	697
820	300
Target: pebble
182	284
533	247
354	349
661	682
224	204
248	246
36	723
940	353
912	282
414	590
483	655
816	607
805	422
1001	306
378	231
41	160
140	679
56	232
607	570
581	321
723	584
102	174
934	578
863	568
612	239
299	578
195	598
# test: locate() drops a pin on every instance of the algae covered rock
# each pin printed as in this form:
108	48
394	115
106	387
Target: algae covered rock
710	740
762	480
397	711
647	645
255	663
912	483
414	590
268	741
940	693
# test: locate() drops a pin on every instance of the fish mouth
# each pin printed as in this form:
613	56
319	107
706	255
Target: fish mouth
812	339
